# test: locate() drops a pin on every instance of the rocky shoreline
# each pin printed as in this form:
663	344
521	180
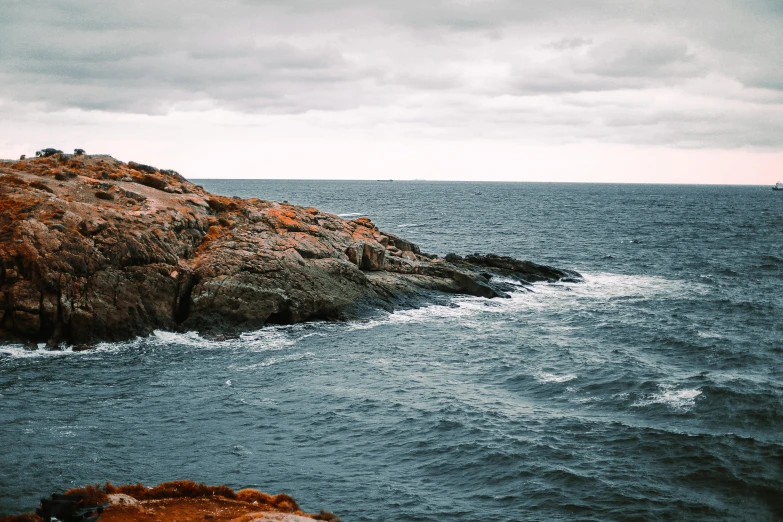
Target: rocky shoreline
93	249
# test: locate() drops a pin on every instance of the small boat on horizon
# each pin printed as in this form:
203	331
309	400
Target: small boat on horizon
778	186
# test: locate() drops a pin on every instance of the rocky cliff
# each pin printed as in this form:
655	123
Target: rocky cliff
93	249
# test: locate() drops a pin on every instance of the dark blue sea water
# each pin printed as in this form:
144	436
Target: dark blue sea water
652	391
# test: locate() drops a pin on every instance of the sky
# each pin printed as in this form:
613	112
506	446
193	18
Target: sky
663	91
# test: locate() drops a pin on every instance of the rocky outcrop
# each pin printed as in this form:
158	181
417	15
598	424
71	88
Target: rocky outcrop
182	500
93	249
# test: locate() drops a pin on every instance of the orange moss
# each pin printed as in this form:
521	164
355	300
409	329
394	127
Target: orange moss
11	212
174	489
221	204
281	502
365	222
285	219
170	493
13	179
93	495
212	234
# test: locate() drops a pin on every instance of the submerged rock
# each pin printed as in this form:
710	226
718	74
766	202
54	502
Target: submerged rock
93	249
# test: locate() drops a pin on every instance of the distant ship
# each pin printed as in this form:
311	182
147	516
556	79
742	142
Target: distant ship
778	186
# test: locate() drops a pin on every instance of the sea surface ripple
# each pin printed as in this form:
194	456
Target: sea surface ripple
652	391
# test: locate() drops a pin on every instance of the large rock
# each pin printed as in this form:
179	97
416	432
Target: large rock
523	271
93	249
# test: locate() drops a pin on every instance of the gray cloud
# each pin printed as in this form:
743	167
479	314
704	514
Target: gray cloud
645	59
701	73
568	43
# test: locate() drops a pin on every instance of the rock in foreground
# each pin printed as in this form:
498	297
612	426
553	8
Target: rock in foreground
93	249
181	500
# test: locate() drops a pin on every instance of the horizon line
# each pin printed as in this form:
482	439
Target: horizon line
489	181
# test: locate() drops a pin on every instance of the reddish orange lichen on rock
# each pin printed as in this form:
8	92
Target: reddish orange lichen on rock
182	500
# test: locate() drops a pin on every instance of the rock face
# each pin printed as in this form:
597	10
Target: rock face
92	249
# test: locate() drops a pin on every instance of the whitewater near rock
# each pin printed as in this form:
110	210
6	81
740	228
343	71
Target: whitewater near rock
93	249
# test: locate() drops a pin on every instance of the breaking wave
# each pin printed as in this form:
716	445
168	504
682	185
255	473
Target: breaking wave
678	399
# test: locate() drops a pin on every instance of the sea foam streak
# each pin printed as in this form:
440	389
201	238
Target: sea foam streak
272	361
596	288
681	400
272	338
545	377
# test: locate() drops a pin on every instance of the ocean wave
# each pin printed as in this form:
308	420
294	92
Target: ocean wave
270	338
471	312
597	288
271	361
427	313
609	285
18	351
545	377
681	400
772	259
351	215
411	225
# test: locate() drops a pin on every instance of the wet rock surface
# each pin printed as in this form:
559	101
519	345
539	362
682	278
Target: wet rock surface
93	249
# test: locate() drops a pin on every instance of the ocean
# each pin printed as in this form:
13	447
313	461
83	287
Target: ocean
651	391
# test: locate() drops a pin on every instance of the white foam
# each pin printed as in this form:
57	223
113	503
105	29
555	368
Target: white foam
608	285
411	225
272	361
545	377
596	289
431	313
266	339
585	400
270	338
471	312
351	215
17	351
681	400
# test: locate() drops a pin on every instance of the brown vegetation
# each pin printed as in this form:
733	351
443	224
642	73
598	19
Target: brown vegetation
182	500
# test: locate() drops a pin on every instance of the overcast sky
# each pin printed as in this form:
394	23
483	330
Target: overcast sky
588	90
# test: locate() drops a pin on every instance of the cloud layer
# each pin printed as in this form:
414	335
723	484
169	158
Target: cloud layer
683	74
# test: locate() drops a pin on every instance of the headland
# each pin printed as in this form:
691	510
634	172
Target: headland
93	249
